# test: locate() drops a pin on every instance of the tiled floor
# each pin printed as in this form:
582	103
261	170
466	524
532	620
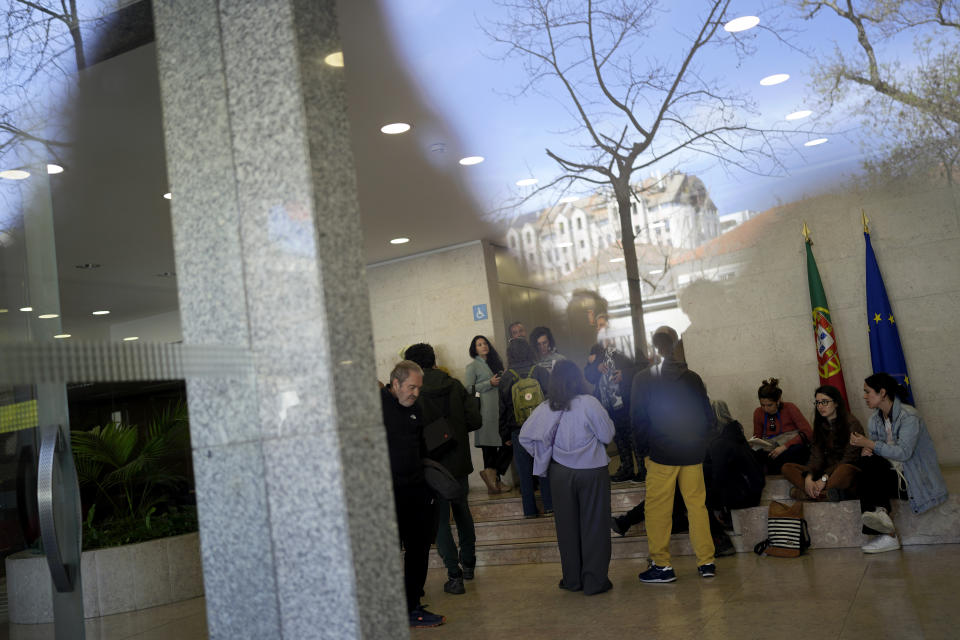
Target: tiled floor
830	593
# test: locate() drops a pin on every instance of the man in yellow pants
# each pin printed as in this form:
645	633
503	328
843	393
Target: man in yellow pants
673	422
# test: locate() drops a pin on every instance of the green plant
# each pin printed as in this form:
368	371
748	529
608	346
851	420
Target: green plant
133	476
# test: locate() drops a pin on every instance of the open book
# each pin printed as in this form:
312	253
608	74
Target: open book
772	443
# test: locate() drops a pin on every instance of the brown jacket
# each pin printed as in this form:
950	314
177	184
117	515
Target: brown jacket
830	448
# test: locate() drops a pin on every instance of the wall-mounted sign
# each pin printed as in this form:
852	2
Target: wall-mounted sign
480	312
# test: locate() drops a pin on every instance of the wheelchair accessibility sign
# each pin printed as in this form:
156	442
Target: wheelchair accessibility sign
480	312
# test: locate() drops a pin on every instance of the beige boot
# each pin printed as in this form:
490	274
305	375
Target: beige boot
489	477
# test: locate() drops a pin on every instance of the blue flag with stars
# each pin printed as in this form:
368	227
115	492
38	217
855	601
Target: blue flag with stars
885	350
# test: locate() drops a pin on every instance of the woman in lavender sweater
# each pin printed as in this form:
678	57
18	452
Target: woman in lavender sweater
567	436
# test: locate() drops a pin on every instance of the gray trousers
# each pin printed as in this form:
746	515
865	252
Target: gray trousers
581	504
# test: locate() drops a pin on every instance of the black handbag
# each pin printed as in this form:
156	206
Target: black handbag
441	481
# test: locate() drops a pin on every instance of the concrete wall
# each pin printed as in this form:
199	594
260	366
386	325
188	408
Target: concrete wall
757	324
429	298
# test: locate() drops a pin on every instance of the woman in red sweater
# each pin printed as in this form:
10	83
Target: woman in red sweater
782	425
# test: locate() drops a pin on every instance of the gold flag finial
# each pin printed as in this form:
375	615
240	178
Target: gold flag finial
866	221
806	233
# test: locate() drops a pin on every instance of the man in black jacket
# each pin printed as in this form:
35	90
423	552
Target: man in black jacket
611	373
444	396
416	511
671	414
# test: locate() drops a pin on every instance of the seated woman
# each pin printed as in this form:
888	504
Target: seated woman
569	433
898	457
830	470
782	427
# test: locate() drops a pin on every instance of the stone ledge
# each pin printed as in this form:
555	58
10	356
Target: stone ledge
115	580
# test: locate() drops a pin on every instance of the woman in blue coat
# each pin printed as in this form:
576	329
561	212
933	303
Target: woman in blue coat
898	457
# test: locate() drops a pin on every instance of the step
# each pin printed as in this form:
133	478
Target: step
524	528
541	550
484	508
837	524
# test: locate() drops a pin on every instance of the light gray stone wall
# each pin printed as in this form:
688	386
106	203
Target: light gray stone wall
297	526
758	323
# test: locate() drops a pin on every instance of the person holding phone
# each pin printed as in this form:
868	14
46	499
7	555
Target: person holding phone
481	380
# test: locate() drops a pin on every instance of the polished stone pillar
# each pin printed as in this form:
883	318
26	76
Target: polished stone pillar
297	527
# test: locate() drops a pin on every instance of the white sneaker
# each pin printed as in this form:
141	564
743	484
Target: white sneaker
878	520
881	543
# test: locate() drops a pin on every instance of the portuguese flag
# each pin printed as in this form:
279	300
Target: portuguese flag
828	355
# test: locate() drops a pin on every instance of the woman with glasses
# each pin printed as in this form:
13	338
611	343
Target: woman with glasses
830	471
781	428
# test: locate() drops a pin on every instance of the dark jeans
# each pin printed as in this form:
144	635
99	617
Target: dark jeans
417	522
623	438
523	462
582	499
876	485
498	458
797	454
468	538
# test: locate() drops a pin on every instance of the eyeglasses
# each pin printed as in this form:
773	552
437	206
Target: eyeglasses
822	403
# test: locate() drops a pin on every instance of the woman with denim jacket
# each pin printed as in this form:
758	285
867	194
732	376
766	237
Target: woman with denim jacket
898	458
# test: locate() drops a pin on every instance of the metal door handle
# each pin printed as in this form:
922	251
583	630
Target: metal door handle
51	447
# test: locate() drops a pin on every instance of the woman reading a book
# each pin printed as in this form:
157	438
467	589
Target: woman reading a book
780	432
830	471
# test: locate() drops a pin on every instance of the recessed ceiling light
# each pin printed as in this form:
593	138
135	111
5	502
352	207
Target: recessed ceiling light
567	199
26	308
100	313
48	316
469	160
776	78
168	195
526	182
400	241
741	24
797	115
617	259
131	338
334	59
813	143
15	174
4	310
87	265
395	128
61	336
53	169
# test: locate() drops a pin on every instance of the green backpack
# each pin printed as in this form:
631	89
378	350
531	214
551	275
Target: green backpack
527	396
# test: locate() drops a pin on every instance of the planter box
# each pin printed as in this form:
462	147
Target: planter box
115	580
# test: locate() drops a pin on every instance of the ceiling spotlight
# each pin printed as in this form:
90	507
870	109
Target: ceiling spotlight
48	316
400	241
61	336
395	128
131	338
741	24
622	259
798	115
334	59
469	160
526	182
813	143
4	310
168	195
104	312
53	169
15	174
776	78
26	308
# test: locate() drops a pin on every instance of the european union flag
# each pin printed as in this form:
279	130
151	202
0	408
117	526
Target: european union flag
885	350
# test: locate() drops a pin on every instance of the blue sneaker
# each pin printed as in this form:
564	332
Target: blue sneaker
420	618
707	570
658	574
